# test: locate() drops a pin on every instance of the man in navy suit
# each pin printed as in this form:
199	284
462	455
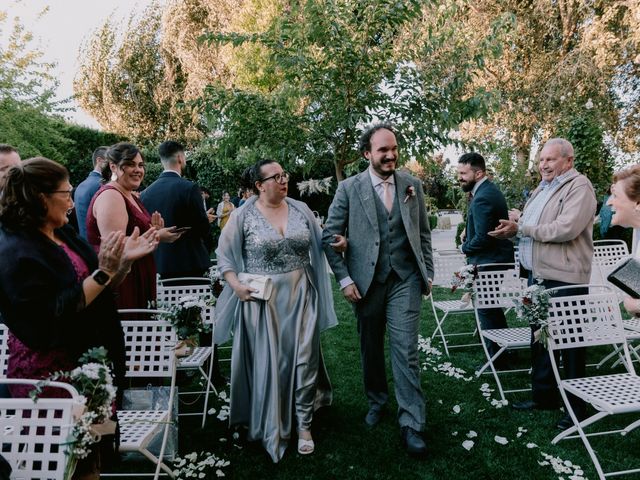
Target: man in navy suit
486	208
87	189
179	201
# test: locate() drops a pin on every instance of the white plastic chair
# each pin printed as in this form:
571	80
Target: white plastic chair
150	353
169	292
445	264
33	434
587	321
498	285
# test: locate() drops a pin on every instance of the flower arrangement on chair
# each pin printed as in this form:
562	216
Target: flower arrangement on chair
533	308
464	279
94	383
186	318
217	283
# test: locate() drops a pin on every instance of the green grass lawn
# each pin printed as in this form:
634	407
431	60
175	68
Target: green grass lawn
346	448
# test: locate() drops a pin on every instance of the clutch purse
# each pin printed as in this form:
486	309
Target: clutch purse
261	283
626	276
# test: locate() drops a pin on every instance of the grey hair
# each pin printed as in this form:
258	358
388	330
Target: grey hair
566	149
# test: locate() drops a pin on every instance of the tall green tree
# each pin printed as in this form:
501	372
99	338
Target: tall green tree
342	64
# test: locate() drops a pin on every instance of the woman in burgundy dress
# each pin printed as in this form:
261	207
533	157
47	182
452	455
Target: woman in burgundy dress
116	208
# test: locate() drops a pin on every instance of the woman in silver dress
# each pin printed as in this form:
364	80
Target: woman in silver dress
277	372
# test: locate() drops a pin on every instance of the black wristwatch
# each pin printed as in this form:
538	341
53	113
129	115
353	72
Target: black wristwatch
101	277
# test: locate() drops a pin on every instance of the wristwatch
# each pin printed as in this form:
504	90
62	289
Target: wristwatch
101	277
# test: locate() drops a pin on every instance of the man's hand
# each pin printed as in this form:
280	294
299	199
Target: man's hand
211	215
351	293
514	214
340	244
506	229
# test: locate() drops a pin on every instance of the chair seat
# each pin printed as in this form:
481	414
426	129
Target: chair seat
509	337
197	358
618	393
137	427
632	324
453	306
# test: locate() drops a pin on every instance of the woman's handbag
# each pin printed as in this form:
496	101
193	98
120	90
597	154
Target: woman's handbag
261	283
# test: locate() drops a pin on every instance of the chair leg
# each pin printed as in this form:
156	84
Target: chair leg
438	329
209	387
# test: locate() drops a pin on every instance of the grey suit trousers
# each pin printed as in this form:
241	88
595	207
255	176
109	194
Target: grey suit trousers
394	306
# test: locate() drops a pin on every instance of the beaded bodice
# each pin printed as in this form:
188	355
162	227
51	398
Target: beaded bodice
265	251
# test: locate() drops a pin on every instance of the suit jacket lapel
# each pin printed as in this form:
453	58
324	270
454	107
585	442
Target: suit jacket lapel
366	193
401	189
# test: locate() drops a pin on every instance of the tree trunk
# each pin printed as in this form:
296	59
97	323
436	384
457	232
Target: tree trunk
339	168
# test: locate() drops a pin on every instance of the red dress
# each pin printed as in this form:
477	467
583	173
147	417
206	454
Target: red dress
139	287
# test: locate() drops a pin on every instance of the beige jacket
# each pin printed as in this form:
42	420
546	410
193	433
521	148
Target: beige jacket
563	237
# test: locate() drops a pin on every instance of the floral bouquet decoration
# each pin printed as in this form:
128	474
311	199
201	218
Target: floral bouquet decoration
217	283
464	279
94	383
533	308
186	318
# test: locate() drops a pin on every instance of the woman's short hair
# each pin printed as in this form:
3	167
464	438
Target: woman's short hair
253	174
119	154
21	202
631	177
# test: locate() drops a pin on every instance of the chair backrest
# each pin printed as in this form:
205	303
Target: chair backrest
586	320
445	264
33	434
4	350
497	285
170	291
609	252
149	346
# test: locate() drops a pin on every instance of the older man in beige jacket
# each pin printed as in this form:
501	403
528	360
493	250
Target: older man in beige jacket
556	246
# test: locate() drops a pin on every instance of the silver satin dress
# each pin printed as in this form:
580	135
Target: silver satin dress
277	372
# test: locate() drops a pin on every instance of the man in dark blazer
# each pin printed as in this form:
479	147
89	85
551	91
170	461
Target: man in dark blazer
386	268
179	201
87	188
486	207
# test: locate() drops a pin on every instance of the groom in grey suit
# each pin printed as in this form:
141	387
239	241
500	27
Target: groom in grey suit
386	268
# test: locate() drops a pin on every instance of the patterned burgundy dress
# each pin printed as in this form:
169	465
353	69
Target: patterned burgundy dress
139	287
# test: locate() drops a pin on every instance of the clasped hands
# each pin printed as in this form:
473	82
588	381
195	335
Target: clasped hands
507	228
118	252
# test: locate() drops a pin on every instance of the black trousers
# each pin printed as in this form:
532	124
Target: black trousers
543	383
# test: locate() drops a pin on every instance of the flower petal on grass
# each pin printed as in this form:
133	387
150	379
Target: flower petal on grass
472	434
531	445
500	440
456	409
468	444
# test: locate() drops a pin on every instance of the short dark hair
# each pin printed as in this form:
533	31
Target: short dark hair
5	148
167	151
118	154
364	144
253	174
474	160
21	204
99	152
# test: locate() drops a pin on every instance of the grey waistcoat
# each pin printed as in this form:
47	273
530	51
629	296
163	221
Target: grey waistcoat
395	250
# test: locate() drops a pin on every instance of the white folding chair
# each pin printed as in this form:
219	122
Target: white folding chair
169	292
586	321
498	285
4	350
150	353
33	435
606	255
445	264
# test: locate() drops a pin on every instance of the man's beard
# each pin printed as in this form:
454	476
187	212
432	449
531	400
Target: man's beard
468	186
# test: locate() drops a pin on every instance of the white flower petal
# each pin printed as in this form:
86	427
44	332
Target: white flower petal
472	434
456	409
468	444
500	440
531	445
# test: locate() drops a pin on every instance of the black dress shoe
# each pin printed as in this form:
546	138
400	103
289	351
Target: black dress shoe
373	417
413	442
566	421
531	405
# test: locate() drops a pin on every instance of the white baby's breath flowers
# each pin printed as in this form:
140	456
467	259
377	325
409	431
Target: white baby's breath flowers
312	186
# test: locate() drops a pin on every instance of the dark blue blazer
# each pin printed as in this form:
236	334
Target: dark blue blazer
486	208
82	198
179	201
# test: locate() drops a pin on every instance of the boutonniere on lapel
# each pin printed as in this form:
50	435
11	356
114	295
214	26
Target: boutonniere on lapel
411	192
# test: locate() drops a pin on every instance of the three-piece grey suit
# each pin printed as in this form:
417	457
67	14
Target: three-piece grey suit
389	259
